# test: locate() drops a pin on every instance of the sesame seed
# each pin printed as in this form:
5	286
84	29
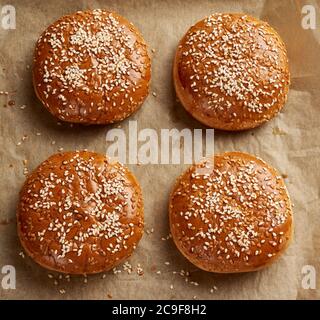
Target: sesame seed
92	55
228	212
52	193
223	73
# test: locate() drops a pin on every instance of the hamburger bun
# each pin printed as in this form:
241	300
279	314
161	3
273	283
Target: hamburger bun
91	67
80	213
231	72
231	213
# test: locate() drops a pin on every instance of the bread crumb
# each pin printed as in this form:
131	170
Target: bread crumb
278	132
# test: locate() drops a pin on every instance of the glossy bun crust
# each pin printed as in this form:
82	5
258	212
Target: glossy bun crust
91	67
80	213
231	72
231	213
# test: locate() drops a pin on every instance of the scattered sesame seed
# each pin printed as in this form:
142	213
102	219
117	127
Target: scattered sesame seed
140	271
127	267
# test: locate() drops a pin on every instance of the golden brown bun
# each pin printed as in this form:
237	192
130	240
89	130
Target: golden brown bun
80	213
231	72
91	67
230	213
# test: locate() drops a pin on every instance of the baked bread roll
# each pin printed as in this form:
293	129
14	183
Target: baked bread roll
231	213
91	67
80	213
231	72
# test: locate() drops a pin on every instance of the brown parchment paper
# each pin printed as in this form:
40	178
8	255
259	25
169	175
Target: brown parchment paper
290	142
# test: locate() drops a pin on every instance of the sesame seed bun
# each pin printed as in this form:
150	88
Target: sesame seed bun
91	67
231	213
80	213
231	72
